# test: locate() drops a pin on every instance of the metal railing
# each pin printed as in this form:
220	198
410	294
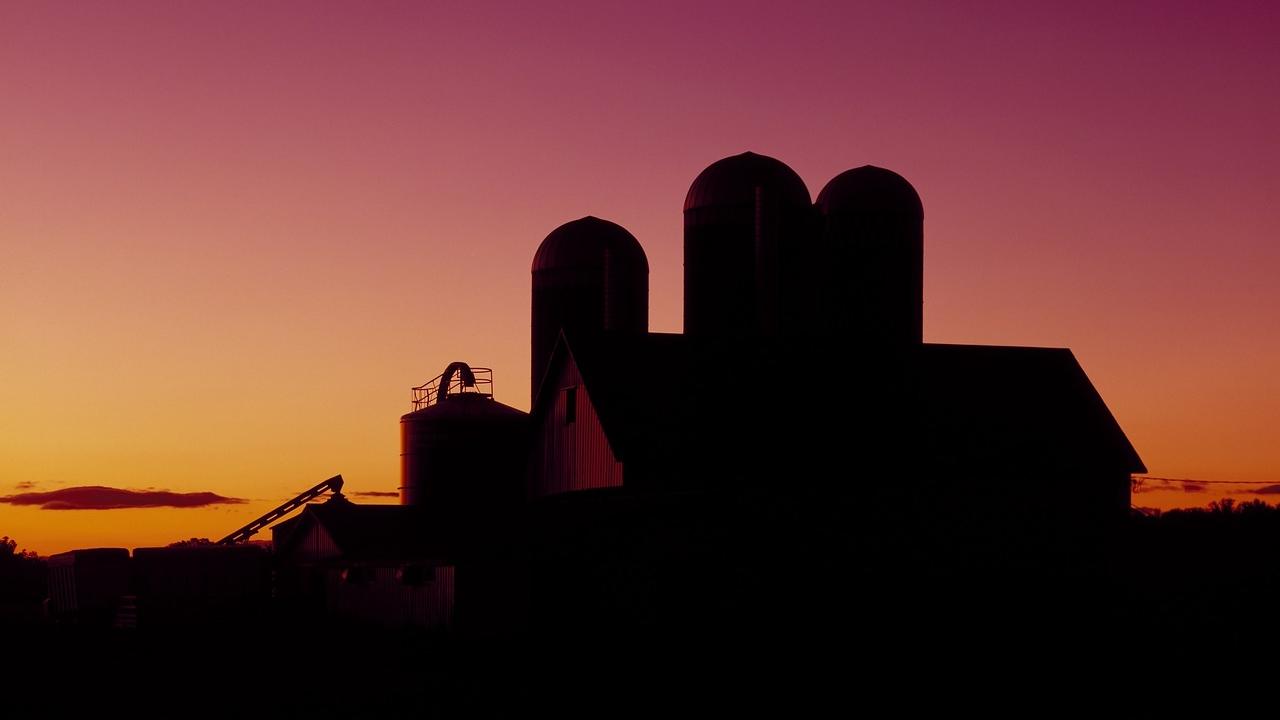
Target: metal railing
428	394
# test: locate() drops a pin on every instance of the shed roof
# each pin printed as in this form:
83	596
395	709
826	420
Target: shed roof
371	533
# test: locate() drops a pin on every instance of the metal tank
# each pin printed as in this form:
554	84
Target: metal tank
749	250
873	241
460	448
588	275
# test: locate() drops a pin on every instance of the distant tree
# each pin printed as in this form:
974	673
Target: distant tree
9	550
22	579
1229	507
1255	507
1225	506
193	542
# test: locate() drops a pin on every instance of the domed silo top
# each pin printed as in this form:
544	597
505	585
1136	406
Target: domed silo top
467	405
734	180
870	190
459	385
585	243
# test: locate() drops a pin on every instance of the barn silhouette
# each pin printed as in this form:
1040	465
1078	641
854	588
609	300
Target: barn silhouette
797	452
797	460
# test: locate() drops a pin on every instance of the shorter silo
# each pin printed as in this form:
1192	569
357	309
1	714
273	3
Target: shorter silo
589	275
460	448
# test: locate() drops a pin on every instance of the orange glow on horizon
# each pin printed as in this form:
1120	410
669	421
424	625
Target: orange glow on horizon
232	237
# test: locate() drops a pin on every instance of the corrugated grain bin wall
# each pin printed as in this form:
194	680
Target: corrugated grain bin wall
465	451
85	586
197	585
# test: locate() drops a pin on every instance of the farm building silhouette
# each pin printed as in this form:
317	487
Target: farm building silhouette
798	452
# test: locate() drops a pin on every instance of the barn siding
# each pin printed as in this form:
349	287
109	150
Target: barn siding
385	601
573	456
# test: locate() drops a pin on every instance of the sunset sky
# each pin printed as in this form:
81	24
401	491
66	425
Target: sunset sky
233	235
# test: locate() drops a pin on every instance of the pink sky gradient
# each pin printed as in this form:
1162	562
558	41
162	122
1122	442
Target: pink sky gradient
232	235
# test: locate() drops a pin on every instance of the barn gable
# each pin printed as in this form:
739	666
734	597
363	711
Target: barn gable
571	450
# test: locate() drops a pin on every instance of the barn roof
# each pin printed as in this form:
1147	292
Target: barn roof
667	396
1018	405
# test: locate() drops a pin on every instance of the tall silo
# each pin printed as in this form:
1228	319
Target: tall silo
873	243
460	448
748	249
588	275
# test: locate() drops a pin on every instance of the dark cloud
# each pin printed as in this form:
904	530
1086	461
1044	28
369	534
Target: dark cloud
1265	490
96	497
377	493
25	485
1193	488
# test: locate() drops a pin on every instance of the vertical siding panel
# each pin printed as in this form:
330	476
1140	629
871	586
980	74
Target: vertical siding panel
447	597
387	602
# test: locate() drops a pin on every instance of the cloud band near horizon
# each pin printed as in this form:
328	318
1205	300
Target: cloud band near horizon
98	497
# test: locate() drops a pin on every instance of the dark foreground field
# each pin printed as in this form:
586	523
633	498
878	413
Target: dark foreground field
887	662
1186	598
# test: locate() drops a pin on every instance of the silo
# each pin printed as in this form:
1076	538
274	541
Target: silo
873	242
748	249
460	448
588	275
